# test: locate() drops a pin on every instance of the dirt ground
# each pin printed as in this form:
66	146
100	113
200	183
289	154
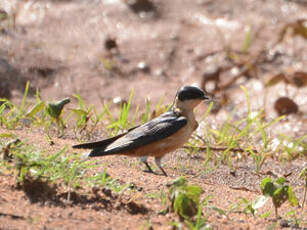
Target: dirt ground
61	47
138	211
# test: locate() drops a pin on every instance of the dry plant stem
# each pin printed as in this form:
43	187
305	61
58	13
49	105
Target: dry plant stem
304	199
259	58
276	212
203	148
215	148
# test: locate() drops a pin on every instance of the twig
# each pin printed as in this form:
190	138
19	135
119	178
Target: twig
243	188
203	148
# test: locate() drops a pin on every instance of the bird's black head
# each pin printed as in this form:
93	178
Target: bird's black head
190	93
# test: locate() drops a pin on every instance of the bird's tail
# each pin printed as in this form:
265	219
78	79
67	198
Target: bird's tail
97	147
96	152
98	144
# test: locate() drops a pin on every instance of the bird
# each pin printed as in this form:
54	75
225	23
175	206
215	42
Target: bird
157	137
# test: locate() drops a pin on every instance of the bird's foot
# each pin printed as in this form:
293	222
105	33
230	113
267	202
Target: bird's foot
163	171
149	170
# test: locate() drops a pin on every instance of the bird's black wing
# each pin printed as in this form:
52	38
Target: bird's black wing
152	131
102	143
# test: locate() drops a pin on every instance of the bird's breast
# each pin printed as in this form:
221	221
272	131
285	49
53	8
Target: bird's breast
169	144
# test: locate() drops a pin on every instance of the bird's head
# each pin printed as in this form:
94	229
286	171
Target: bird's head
188	97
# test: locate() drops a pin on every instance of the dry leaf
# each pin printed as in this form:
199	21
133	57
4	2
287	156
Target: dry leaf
298	27
300	79
276	79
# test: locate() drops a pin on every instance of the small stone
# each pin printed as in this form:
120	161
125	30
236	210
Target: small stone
284	224
143	67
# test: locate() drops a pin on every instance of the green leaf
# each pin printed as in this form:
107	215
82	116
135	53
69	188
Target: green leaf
179	181
303	173
7	135
292	197
55	109
280	196
281	181
184	197
219	210
36	108
79	112
250	208
267	187
248	39
194	191
184	206
80	101
21	110
266	214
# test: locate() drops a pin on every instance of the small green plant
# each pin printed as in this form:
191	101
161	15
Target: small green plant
303	175
251	206
279	191
32	165
201	222
294	218
84	115
35	113
294	147
248	39
10	114
243	135
102	179
184	198
54	110
122	123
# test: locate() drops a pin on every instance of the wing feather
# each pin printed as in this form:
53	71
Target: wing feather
154	130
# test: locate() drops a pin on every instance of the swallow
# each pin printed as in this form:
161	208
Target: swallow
158	136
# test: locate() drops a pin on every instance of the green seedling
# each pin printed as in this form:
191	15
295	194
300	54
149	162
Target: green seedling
37	113
103	179
83	114
244	135
279	191
36	165
146	115
69	170
303	175
294	218
10	114
122	123
38	107
294	147
184	198
252	206
6	150
54	110
32	165
247	39
200	222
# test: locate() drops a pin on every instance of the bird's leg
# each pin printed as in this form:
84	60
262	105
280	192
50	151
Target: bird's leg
158	163
144	160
